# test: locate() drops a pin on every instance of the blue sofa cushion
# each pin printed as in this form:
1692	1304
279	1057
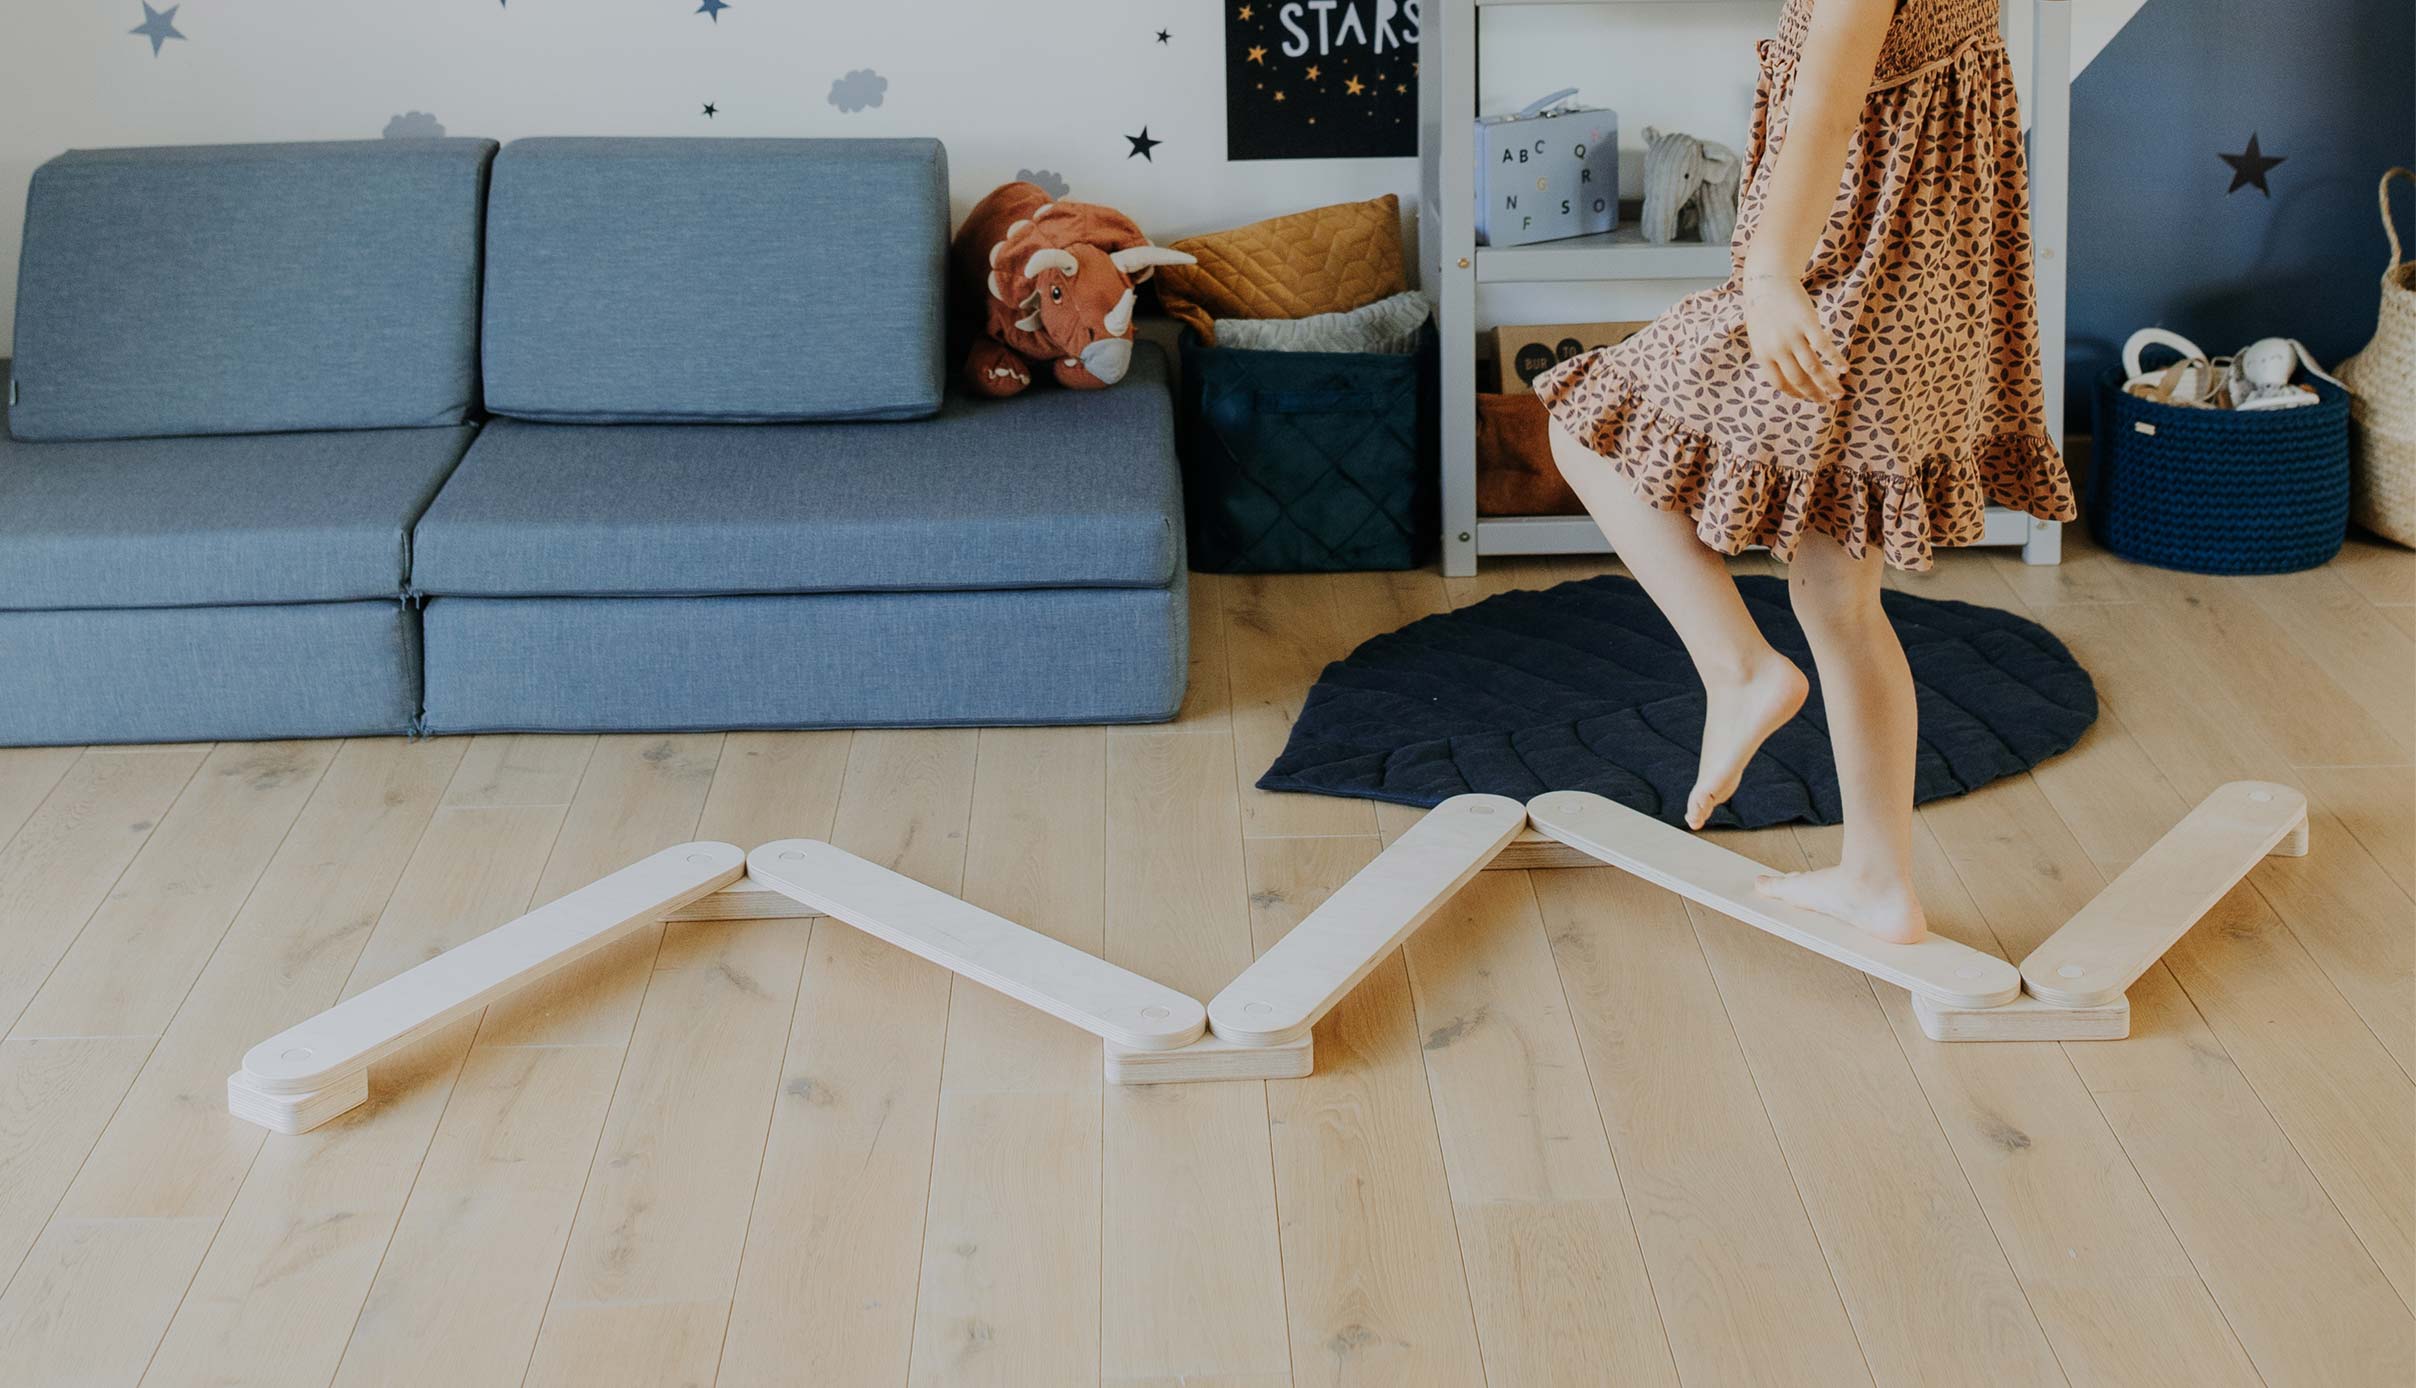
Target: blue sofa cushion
229	289
241	518
716	280
1054	488
830	660
207	674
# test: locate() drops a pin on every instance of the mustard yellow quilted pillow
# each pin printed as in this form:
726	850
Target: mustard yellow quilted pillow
1325	260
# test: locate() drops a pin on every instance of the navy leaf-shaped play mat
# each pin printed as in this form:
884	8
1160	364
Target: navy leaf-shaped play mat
1585	687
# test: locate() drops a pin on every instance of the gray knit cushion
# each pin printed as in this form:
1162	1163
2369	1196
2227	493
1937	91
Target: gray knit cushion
1387	325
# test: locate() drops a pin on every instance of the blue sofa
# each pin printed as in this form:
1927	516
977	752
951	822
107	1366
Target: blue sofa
581	434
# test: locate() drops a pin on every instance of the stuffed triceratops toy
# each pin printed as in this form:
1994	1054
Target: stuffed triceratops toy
1056	282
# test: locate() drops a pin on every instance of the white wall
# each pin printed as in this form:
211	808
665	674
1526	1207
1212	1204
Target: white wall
1053	85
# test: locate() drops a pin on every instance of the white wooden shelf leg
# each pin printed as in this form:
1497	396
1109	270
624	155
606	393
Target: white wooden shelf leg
310	1072
1114	1004
2100	952
1280	997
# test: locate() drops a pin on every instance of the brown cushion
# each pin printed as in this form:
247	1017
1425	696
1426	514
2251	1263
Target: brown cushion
1515	474
1325	260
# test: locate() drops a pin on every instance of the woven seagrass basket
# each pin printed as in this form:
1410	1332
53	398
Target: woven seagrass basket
2382	490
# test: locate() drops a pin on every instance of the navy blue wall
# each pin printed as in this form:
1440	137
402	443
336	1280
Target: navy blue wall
2156	238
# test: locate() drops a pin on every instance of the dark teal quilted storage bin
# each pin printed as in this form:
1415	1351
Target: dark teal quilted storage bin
1308	461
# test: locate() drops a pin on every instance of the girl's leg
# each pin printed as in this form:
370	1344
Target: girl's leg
1868	690
1750	688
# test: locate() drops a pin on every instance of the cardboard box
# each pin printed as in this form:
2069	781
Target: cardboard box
1523	352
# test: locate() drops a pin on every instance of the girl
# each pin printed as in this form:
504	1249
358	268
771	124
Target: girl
1863	384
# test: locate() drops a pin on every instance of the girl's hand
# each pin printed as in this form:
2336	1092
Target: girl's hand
1783	329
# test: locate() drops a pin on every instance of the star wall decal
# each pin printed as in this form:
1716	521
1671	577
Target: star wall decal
713	8
2248	167
159	26
1163	36
1142	145
711	110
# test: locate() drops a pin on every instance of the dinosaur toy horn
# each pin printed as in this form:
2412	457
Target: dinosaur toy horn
1061	261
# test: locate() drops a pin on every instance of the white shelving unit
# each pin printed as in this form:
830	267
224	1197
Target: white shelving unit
1454	266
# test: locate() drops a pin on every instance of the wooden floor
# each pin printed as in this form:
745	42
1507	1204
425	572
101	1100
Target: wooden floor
1577	1133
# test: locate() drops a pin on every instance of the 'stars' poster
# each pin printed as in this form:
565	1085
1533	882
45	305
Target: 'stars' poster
1321	79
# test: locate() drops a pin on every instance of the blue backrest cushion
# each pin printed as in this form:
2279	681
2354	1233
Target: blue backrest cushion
741	280
232	289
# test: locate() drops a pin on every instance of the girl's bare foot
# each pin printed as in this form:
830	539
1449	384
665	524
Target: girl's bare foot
1738	717
1887	909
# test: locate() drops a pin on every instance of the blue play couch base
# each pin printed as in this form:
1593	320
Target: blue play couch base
390	437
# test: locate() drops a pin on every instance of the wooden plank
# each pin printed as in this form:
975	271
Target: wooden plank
1373	1285
1745	1294
1009	1290
55	1097
664	1214
2377	805
1281	996
1068	984
373	1024
826	1286
2382	572
136	958
1559	1287
310	1235
2196	736
519	769
460	1287
1703	872
1190	1263
2342	634
1208	690
2103	1272
2097	954
58	868
640	791
1281	630
27	776
59	1324
477	1247
1212	1057
2292	700
2304	1298
1887	1194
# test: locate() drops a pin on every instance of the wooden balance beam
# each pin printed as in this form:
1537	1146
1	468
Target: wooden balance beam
2072	986
1259	1026
309	1073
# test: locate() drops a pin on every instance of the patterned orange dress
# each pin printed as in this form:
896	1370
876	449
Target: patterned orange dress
1923	276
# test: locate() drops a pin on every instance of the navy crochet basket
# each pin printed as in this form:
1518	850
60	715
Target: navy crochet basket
2220	491
1299	462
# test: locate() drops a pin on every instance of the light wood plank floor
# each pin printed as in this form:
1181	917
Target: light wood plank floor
1578	1132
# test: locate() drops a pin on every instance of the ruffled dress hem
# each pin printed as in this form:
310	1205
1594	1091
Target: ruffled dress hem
1740	502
